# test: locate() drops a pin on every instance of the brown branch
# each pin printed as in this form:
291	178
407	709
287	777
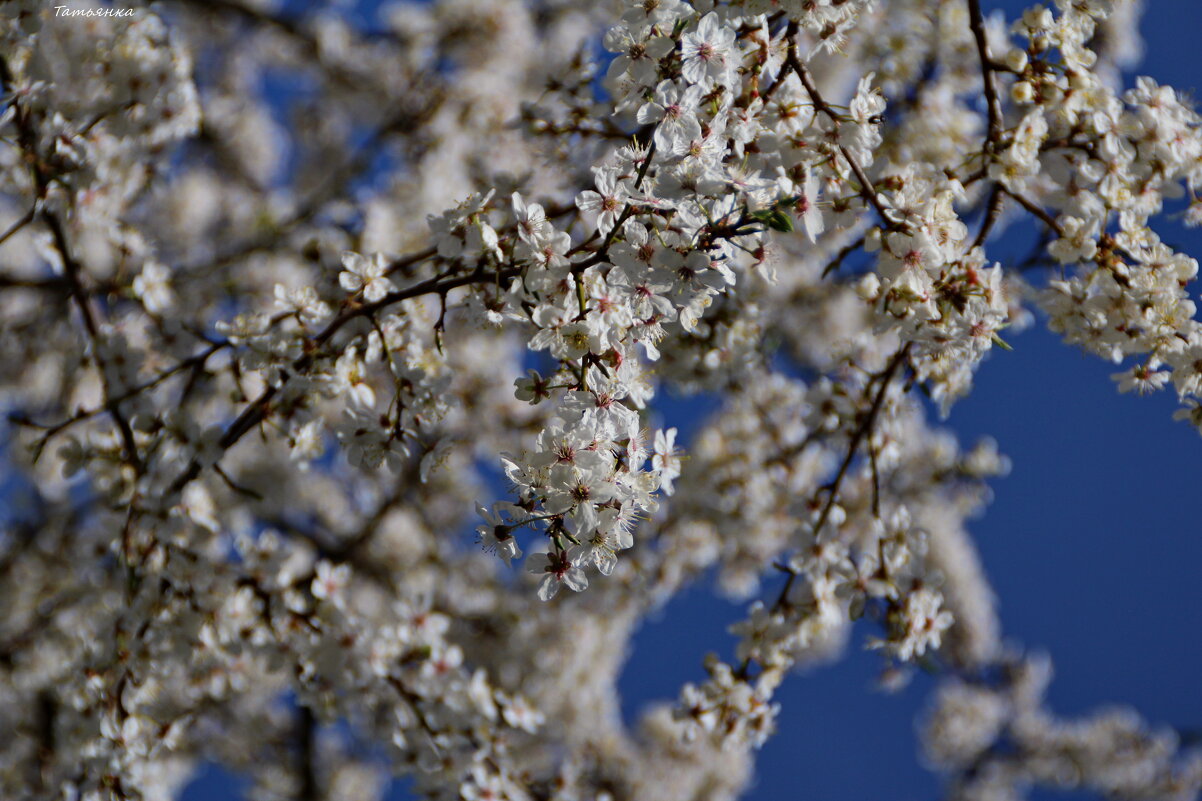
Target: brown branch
843	253
26	218
192	362
334	184
46	716
403	263
1034	208
54	283
865	427
976	21
306	756
993	212
867	189
993	104
259	408
72	271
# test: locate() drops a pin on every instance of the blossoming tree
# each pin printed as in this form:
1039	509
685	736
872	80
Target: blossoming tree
282	296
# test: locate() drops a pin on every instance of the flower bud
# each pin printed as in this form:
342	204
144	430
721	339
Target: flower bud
1022	92
1016	60
1037	18
868	287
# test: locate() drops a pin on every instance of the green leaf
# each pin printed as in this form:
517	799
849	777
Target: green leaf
774	218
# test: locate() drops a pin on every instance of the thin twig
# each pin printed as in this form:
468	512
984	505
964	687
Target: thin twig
191	362
1035	209
72	270
843	253
886	378
19	224
867	189
976	21
993	212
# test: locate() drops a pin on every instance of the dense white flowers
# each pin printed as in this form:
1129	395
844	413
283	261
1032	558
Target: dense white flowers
275	346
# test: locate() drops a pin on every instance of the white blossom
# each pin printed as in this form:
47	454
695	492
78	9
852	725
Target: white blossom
278	320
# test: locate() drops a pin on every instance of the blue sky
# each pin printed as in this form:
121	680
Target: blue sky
1092	544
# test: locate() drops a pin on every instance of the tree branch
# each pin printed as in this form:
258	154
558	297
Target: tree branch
976	22
993	212
1034	208
867	189
306	758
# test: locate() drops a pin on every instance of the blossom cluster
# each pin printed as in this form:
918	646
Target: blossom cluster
310	331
